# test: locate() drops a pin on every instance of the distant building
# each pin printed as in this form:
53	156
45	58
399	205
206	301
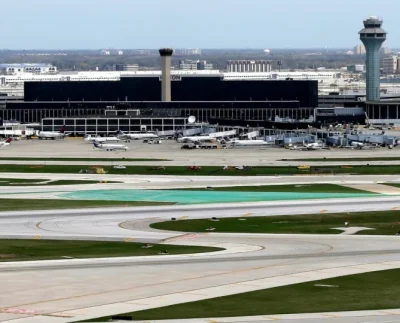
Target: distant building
105	52
190	65
360	50
386	51
358	68
203	65
187	65
390	64
187	51
246	66
11	69
126	67
120	52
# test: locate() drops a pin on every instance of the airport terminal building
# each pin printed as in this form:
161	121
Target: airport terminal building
135	101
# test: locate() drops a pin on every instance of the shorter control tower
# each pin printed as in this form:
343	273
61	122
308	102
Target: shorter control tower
373	37
166	54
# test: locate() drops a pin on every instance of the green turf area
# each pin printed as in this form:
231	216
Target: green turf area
16	250
355	159
369	291
206	170
392	184
39	182
298	188
84	159
47	204
385	223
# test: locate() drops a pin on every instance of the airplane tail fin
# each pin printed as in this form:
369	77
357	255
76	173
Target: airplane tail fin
62	130
8	140
95	144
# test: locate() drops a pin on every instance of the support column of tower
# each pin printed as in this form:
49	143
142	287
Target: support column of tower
166	54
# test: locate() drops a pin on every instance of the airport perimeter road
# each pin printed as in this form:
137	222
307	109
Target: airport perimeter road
71	289
171	150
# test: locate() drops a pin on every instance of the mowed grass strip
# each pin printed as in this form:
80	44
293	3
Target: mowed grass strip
369	291
392	184
206	170
18	250
355	159
384	223
298	188
50	204
45	182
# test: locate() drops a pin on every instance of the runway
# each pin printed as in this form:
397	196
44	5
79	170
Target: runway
69	290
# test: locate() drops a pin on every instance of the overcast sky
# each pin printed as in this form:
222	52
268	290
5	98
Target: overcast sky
94	24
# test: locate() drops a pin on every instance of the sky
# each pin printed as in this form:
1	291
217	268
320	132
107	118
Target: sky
96	24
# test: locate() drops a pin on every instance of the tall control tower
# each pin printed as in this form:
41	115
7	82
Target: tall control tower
166	54
373	37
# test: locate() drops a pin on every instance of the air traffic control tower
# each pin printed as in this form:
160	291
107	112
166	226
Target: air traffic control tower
373	37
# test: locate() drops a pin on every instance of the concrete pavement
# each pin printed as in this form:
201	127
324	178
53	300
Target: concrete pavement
254	156
67	290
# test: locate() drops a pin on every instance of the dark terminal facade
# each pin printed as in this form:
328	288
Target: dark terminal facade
137	97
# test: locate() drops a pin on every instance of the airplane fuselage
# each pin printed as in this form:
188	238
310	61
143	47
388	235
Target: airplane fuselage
101	140
137	136
50	135
110	147
255	142
194	138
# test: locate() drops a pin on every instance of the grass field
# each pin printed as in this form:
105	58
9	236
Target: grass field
369	291
18	250
48	204
84	159
392	184
207	170
299	188
384	223
45	182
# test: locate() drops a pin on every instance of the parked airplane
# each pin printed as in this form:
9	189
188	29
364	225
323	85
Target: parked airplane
310	146
109	147
135	136
313	145
357	144
53	135
362	145
194	139
5	143
254	142
100	140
